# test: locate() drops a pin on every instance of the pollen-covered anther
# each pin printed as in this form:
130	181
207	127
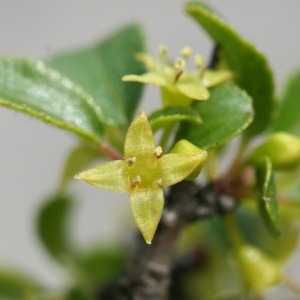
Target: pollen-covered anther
179	64
158	152
130	161
186	52
159	182
136	181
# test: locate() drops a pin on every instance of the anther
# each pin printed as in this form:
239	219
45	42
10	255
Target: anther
136	181
186	52
159	182
179	63
199	60
130	161
158	152
163	51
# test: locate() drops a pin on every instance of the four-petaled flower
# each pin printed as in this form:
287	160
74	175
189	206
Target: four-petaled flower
178	85
143	173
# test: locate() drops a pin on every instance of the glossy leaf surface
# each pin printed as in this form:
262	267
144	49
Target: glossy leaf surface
168	115
99	70
33	88
252	70
267	200
226	114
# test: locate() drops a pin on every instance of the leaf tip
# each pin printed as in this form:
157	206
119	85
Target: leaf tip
78	176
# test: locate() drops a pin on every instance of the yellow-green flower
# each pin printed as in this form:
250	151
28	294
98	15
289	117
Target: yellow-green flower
143	173
178	85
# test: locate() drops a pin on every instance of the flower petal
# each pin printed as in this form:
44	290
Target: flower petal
109	176
174	167
212	78
147	60
150	77
193	90
147	206
139	139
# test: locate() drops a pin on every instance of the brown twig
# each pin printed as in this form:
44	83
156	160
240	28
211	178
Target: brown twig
108	151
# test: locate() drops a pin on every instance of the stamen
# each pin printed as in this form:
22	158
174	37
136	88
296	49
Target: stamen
202	72
137	180
159	182
178	76
163	52
179	64
158	152
186	52
130	161
199	61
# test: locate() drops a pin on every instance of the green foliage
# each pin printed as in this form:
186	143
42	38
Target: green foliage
227	113
258	234
101	265
267	198
288	114
282	148
168	115
52	226
14	285
32	88
99	70
251	67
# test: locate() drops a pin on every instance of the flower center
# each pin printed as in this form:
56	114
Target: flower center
143	171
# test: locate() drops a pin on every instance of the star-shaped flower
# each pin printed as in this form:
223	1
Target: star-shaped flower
143	173
179	86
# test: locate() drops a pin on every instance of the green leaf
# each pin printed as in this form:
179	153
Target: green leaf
77	160
101	265
52	226
226	114
99	70
255	232
75	293
267	198
253	72
15	285
166	116
288	118
31	87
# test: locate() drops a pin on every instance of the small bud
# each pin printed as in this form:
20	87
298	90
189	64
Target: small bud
130	161
184	146
186	52
258	269
158	152
282	148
